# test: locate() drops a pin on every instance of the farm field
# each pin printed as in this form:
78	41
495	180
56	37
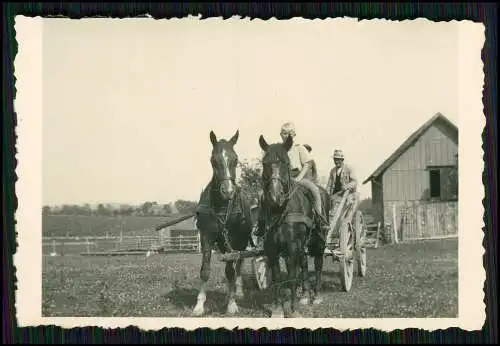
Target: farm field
76	225
405	280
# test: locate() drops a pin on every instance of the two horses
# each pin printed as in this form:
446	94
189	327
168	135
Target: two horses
224	221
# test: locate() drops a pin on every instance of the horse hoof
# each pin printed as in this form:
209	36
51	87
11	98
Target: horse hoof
317	301
277	314
232	308
304	300
198	311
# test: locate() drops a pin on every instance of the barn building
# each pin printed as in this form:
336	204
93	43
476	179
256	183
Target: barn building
416	188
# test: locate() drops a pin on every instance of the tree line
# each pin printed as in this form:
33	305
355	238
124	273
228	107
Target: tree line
249	181
148	208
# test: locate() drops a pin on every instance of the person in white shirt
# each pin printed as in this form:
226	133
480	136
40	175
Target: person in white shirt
301	165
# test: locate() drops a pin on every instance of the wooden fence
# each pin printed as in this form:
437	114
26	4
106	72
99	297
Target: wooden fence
101	244
419	221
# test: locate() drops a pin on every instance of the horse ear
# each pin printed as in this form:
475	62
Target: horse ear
288	143
263	144
213	138
234	139
308	147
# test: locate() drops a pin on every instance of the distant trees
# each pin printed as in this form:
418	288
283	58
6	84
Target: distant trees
365	205
185	207
148	208
250	178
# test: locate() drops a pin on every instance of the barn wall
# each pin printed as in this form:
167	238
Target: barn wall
377	201
408	178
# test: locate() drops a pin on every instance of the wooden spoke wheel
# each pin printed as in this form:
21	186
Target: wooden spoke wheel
346	258
360	244
262	272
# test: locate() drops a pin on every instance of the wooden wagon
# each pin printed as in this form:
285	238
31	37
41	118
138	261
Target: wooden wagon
346	240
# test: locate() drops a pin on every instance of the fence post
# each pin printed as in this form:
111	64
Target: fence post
53	246
88	245
395	228
418	227
199	243
377	238
180	242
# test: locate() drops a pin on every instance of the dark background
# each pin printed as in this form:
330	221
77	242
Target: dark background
477	12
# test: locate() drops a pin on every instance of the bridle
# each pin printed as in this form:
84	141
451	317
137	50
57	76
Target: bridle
220	181
291	188
288	184
222	219
225	177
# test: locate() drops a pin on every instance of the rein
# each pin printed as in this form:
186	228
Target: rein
222	220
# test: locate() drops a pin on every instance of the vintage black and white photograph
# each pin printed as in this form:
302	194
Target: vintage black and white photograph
258	170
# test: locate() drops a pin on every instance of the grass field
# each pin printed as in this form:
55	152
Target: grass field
405	280
75	225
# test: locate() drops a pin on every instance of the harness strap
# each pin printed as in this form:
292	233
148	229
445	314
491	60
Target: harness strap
284	212
223	218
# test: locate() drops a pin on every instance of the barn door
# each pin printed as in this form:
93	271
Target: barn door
408	224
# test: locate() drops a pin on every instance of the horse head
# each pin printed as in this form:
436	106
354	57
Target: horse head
224	161
276	171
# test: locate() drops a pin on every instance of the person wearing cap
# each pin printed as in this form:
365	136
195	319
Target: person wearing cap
301	166
341	178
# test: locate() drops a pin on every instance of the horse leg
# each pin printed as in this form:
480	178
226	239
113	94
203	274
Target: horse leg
318	269
239	279
274	264
291	265
232	307
306	285
206	257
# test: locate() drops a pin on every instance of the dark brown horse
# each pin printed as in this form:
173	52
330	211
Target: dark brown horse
290	228
224	220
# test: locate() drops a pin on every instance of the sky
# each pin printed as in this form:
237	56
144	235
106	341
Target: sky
129	103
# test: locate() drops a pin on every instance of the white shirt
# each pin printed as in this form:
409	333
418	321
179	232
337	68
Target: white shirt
298	156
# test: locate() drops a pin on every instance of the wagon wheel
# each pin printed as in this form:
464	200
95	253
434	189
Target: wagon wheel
262	272
346	258
360	245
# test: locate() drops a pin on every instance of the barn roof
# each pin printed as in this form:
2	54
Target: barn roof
409	142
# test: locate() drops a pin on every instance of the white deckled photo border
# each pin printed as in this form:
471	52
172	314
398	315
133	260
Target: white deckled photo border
28	258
